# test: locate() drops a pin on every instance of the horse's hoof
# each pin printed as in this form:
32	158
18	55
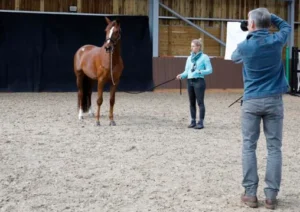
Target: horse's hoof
112	123
80	118
98	123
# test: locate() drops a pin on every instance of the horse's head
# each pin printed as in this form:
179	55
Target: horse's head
113	34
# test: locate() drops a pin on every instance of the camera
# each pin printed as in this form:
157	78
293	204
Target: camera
244	25
194	67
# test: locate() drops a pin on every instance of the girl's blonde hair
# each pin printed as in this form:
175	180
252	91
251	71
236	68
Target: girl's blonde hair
198	42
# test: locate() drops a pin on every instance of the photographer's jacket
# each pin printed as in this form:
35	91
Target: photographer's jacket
197	66
261	53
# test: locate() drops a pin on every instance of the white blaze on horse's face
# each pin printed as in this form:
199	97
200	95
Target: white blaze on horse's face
110	34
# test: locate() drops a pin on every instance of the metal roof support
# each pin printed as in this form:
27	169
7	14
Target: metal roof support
202	19
154	23
211	19
154	26
291	21
192	24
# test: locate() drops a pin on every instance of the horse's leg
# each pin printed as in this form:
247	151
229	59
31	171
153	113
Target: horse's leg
91	114
298	76
79	82
99	100
113	89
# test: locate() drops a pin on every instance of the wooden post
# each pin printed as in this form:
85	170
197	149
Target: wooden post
116	5
42	5
202	23
170	44
223	39
17	4
79	6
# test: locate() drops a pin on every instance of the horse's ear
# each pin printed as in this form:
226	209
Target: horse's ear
107	20
118	21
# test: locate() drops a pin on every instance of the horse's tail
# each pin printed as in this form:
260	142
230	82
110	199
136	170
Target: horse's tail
85	98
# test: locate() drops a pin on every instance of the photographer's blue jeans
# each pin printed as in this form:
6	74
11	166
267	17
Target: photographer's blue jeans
270	110
196	89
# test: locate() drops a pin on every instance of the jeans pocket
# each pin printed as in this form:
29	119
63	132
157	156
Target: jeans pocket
279	111
251	106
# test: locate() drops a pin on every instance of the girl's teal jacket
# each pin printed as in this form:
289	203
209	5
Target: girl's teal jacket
202	66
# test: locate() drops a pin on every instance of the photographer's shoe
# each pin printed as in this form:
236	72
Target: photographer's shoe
270	204
250	201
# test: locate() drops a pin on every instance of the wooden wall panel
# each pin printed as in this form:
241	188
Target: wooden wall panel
233	9
7	5
97	6
170	36
165	68
31	5
58	5
176	40
130	7
164	47
237	9
210	46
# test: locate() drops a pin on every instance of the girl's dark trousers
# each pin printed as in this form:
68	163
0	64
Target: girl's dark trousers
196	89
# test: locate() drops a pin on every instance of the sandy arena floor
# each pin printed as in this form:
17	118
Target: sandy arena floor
150	161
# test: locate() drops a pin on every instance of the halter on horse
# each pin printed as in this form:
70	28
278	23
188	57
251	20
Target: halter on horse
103	64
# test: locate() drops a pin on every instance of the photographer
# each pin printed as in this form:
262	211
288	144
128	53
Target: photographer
197	66
264	84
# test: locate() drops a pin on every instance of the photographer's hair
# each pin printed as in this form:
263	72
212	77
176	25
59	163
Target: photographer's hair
261	17
198	42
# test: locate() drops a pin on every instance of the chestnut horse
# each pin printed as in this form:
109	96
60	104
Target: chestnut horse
102	64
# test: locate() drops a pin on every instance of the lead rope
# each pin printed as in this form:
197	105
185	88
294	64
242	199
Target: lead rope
111	71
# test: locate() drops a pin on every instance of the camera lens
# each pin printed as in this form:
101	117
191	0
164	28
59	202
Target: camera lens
244	25
193	68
